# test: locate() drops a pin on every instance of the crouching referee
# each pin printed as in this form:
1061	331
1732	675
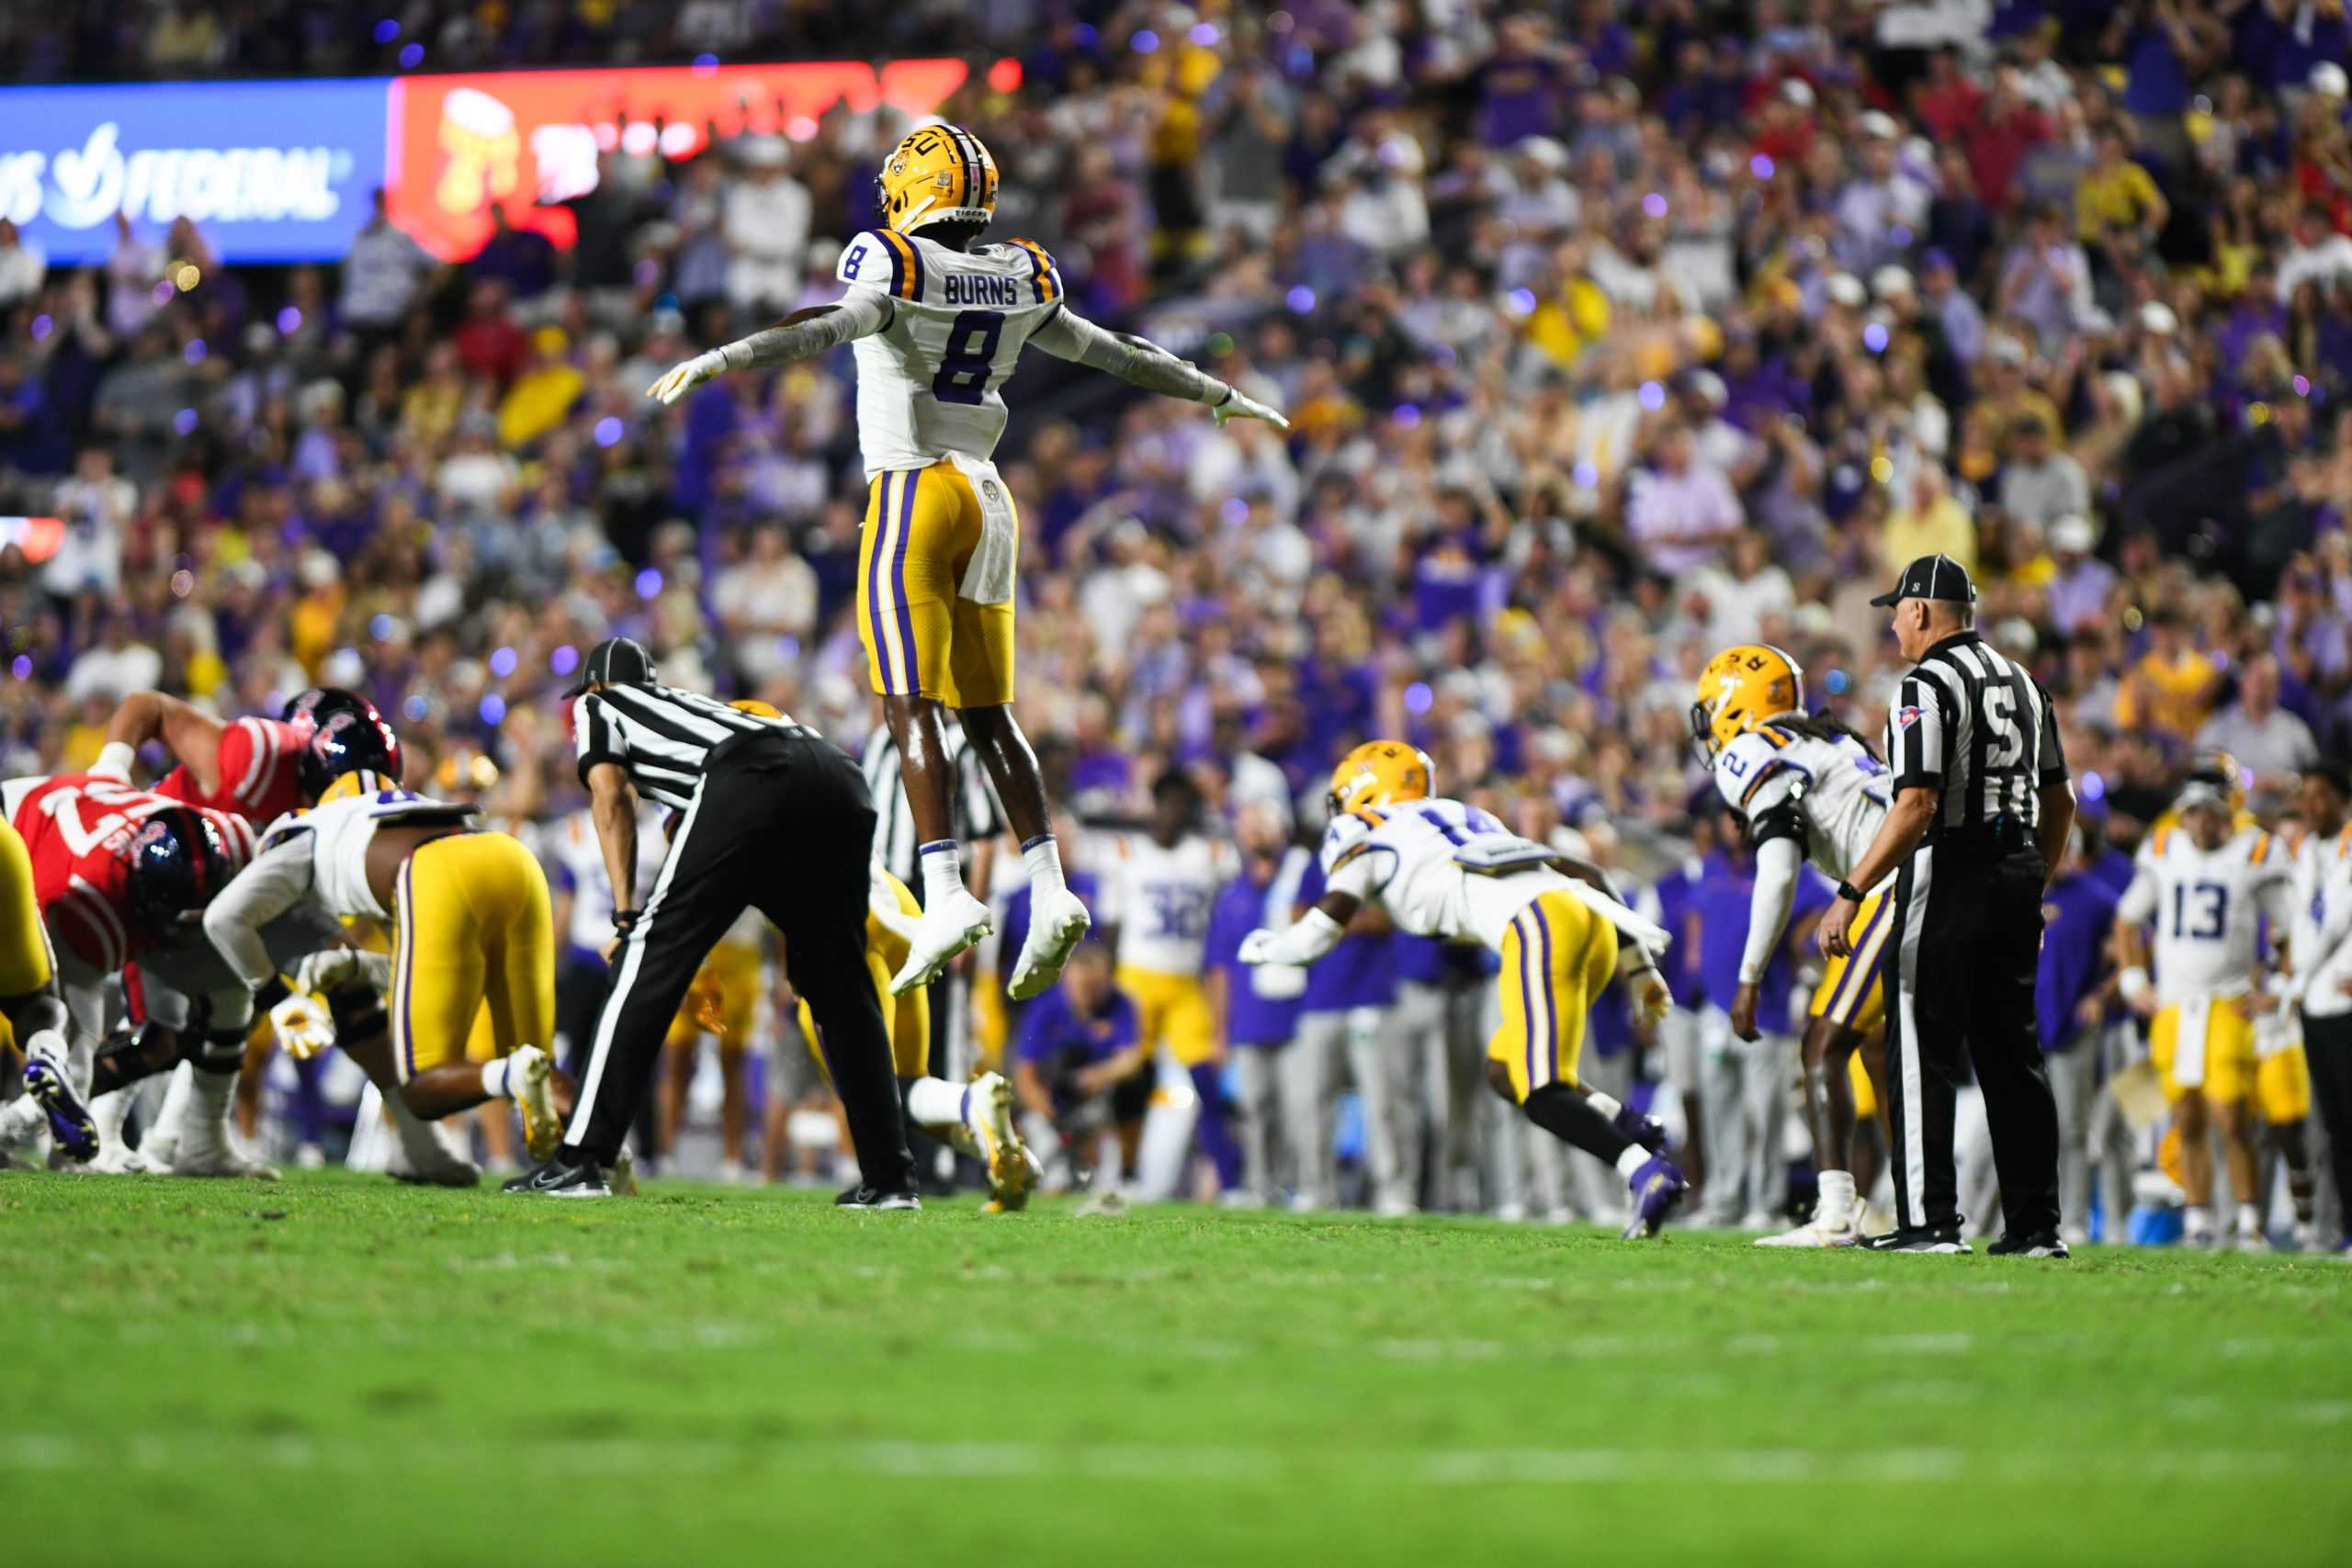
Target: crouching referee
775	818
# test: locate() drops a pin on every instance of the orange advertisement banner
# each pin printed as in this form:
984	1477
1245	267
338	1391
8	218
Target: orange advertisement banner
462	145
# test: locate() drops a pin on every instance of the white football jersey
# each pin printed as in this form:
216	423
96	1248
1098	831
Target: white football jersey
329	845
931	382
1840	789
2313	859
2206	908
1160	899
1442	869
573	846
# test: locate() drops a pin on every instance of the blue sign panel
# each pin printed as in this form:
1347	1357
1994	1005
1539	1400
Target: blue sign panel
269	170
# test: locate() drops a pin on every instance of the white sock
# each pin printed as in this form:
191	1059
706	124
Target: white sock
2196	1218
1603	1103
493	1077
943	872
934	1103
1042	856
2249	1220
1837	1197
209	1100
1632	1160
938	1106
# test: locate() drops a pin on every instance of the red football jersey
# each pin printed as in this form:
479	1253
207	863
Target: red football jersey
258	770
79	830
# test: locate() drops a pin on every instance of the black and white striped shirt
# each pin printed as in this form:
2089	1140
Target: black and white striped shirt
973	813
662	737
1969	722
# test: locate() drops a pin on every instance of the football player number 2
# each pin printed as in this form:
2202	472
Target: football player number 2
970	359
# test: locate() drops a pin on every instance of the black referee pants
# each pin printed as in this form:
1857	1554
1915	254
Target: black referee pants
2327	1046
782	824
1961	993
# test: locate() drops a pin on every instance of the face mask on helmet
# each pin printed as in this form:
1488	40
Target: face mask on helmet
346	742
178	860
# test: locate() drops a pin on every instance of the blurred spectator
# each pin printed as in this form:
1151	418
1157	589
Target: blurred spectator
22	267
2265	737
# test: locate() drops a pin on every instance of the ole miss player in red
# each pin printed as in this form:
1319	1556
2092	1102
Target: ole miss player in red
258	767
117	873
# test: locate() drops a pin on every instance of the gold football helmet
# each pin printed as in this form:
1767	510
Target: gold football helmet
358	782
1739	689
938	173
1379	773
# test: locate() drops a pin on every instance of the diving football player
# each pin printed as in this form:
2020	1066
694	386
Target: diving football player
1444	869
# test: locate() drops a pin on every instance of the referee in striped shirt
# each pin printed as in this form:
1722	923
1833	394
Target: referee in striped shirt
1981	811
772	817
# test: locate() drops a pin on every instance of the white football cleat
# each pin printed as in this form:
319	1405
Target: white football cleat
119	1159
1013	1171
1813	1232
530	1076
947	929
1058	923
209	1150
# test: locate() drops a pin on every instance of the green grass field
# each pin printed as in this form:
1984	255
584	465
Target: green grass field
335	1370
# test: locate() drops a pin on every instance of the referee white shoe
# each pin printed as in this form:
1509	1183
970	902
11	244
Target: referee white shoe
947	929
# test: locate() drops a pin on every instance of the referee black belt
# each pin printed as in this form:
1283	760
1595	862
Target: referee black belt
2000	837
735	746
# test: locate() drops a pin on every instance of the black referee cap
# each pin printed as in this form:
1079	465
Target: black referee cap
1931	577
615	661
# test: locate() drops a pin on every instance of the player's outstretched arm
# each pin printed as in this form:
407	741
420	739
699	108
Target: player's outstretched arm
861	313
192	736
1142	363
1313	934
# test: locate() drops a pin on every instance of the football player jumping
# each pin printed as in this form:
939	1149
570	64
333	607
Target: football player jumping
1443	869
939	320
1807	788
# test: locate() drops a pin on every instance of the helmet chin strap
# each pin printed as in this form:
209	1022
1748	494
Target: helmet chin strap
907	225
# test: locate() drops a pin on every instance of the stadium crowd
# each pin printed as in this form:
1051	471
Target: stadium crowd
1611	334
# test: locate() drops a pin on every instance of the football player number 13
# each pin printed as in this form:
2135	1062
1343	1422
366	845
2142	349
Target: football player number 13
970	359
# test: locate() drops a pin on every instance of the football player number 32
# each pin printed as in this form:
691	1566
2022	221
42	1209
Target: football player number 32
970	359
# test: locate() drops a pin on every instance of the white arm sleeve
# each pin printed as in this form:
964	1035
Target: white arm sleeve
277	881
1130	358
859	313
1777	864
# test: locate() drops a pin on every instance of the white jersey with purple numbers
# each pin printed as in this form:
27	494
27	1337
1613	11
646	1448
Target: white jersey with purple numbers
1438	867
1840	789
930	383
2206	905
1160	900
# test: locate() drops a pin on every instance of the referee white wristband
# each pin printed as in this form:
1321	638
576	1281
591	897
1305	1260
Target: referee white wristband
2133	984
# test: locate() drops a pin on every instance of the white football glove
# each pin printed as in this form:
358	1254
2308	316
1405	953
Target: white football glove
329	968
302	1025
1651	999
680	379
1257	947
1240	405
